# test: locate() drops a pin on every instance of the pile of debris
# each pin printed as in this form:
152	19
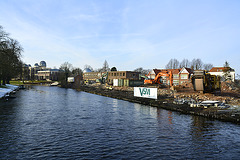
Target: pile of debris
230	86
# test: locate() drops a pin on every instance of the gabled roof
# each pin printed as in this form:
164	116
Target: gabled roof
174	71
220	69
189	70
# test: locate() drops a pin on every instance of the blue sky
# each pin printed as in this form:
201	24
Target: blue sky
127	33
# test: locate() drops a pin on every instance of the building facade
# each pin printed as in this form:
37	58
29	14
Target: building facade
179	76
110	76
219	71
39	72
49	75
122	75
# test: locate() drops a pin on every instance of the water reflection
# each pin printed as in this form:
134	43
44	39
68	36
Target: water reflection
201	126
148	110
56	123
164	115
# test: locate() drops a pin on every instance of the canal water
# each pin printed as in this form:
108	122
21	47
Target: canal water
56	123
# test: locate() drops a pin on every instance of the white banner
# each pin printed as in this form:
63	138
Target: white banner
145	92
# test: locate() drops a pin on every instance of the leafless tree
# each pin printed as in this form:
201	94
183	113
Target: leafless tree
142	71
86	66
10	57
172	64
196	64
66	72
77	71
185	63
207	66
105	67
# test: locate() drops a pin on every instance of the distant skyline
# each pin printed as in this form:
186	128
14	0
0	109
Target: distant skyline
127	33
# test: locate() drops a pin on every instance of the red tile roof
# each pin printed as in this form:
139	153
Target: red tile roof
174	71
220	69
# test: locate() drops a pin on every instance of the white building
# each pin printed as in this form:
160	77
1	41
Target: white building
219	71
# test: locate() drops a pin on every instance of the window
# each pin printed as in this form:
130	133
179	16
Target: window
184	76
123	74
117	74
120	74
114	74
175	76
175	82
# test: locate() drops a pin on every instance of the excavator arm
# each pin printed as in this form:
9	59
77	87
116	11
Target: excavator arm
159	75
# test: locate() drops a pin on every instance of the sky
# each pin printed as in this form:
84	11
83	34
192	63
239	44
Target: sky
126	33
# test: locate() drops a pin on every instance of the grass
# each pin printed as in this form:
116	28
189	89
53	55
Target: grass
29	82
16	82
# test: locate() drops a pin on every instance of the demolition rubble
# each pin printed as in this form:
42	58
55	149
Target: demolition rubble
223	105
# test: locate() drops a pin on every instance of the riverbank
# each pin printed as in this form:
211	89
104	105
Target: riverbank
7	90
166	100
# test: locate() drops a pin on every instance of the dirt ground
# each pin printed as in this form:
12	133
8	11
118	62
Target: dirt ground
230	92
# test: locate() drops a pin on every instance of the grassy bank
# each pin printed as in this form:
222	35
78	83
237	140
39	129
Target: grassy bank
29	82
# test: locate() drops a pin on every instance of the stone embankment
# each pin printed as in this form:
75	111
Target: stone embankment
166	99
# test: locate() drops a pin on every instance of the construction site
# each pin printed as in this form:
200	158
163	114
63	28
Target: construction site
191	92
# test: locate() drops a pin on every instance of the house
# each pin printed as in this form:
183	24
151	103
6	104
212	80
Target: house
185	75
219	71
180	76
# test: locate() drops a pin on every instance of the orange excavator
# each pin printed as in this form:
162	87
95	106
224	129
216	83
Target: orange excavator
156	80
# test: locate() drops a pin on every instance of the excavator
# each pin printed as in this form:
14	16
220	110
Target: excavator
156	80
103	78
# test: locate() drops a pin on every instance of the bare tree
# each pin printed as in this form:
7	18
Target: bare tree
207	66
185	63
196	64
142	71
105	67
172	64
10	57
86	66
66	72
77	71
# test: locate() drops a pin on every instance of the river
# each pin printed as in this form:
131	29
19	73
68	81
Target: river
56	123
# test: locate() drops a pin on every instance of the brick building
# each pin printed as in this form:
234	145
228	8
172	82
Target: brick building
93	76
180	76
122	75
